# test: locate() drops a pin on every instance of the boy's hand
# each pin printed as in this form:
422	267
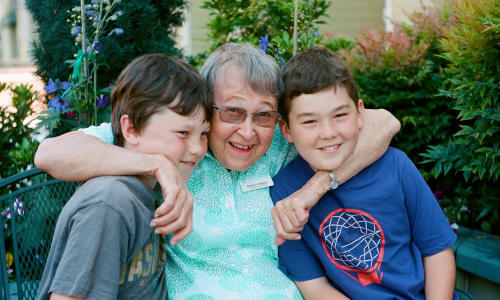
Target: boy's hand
292	213
175	214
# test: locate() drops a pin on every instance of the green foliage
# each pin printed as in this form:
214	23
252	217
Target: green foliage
16	141
147	26
442	68
472	51
250	20
400	71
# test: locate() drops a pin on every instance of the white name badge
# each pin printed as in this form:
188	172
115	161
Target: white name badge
256	183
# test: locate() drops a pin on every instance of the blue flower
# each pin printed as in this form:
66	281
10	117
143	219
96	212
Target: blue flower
91	13
102	101
58	104
52	86
117	31
75	30
96	46
282	60
94	1
65	85
264	43
316	34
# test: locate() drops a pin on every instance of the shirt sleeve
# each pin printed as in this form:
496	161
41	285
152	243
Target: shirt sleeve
431	230
95	253
104	132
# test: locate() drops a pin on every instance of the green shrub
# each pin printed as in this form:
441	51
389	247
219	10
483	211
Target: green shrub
16	141
148	27
265	22
472	50
400	71
116	32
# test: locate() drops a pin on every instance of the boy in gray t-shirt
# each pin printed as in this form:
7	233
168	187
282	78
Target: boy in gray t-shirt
103	245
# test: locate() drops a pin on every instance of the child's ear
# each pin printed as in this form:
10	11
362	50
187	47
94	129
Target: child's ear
285	130
128	131
361	114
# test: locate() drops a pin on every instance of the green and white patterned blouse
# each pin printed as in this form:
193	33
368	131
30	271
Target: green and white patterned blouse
231	253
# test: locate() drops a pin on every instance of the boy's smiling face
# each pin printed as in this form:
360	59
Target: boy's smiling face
182	139
324	127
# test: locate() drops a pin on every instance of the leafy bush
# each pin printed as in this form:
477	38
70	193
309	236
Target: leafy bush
472	50
117	32
266	23
428	75
148	27
16	141
400	71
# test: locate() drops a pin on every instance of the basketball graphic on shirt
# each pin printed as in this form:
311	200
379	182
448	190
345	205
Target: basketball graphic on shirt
354	242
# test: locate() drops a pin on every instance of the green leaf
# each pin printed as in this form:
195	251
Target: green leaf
483	213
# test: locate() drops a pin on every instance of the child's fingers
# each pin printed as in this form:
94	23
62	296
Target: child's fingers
280	240
302	217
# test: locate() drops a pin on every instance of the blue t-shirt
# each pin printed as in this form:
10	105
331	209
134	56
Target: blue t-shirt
368	236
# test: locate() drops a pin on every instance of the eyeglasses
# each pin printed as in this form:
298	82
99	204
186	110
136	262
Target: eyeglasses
231	114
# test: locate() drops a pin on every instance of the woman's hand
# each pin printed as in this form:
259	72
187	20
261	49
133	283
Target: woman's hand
175	214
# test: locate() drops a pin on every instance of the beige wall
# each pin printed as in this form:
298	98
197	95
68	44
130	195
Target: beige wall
402	7
347	17
15	41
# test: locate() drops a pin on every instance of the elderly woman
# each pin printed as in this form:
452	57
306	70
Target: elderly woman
231	252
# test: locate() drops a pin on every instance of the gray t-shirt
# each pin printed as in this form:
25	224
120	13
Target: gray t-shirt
103	245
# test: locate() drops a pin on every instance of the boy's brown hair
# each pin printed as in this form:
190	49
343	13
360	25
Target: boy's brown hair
153	82
312	71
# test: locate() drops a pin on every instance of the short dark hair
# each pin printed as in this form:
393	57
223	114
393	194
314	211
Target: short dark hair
150	83
312	71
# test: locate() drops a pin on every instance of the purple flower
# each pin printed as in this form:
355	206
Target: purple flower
58	104
117	31
264	43
102	101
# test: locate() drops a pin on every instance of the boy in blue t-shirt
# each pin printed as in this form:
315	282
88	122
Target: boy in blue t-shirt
381	234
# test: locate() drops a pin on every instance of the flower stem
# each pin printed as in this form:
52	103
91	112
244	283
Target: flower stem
84	37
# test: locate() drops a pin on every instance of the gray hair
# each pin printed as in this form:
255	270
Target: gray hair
259	69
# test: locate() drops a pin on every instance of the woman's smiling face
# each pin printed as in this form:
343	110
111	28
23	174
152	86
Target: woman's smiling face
238	146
